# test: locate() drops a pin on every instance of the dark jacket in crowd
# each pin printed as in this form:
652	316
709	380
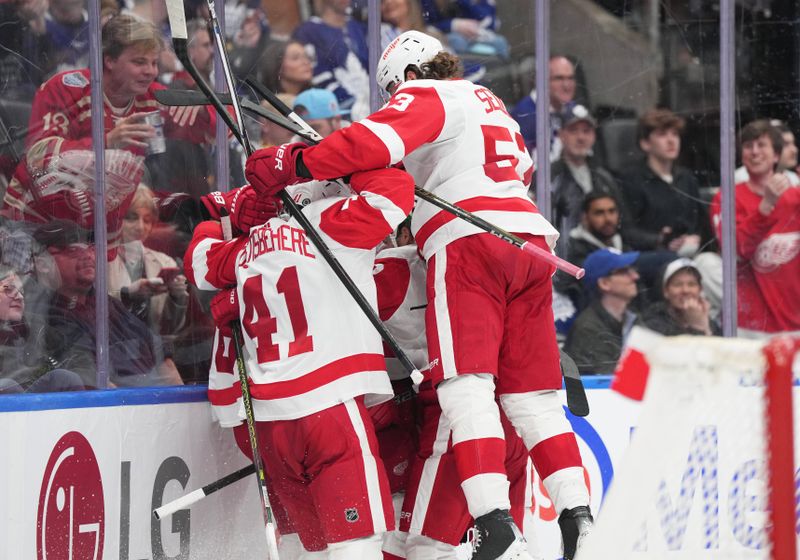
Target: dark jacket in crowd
579	245
595	339
133	350
568	195
21	358
660	318
25	57
652	204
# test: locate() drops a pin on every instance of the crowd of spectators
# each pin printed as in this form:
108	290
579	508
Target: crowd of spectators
647	235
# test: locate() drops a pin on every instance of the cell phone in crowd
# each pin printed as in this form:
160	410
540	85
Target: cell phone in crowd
169	273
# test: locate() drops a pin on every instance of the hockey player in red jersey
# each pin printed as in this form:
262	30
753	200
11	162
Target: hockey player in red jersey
56	177
313	359
489	320
434	515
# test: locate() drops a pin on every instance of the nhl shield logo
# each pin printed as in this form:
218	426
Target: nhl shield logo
351	515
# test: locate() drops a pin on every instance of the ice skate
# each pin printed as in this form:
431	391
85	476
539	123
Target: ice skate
498	538
575	524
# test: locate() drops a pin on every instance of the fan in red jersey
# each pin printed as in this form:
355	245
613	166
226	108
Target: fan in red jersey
489	319
314	361
767	235
56	177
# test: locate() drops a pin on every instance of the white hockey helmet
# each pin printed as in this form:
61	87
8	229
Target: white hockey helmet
412	48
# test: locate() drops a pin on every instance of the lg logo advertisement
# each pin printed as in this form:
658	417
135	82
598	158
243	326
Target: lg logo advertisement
70	522
72	515
82	483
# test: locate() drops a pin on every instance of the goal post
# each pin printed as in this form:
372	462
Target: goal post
781	356
709	471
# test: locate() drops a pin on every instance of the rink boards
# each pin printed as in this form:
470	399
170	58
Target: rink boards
81	474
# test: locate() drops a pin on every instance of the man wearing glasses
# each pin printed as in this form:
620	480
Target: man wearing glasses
596	338
66	270
562	100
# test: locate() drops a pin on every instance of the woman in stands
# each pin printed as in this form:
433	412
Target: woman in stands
23	366
148	282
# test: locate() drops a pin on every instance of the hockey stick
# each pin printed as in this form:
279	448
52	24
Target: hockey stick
197	495
525	246
179	41
177	23
250	417
577	402
191	97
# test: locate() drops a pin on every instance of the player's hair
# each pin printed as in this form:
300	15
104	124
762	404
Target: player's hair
591	196
123	31
442	67
754	130
659	119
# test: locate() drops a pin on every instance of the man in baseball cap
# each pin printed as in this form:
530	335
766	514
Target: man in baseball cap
596	338
577	113
320	109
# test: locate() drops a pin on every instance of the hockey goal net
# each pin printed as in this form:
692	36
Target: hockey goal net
709	472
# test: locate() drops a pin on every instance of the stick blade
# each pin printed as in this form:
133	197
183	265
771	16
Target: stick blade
577	402
186	97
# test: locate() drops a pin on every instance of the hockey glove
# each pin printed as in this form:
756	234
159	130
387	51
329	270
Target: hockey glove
269	170
244	206
225	308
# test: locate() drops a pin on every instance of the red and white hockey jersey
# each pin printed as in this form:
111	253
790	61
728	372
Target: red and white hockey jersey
61	122
400	278
308	346
458	141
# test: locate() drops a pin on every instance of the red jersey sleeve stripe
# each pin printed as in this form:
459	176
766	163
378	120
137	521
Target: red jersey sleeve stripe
473	205
385	197
394	144
210	263
328	373
224	397
354	223
346	151
415	114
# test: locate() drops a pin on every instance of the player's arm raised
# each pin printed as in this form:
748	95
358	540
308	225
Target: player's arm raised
414	116
385	198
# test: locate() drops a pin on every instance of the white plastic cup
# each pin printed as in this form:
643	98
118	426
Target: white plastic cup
157	144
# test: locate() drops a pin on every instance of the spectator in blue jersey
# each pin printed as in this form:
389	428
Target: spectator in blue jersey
471	26
562	100
68	31
338	45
